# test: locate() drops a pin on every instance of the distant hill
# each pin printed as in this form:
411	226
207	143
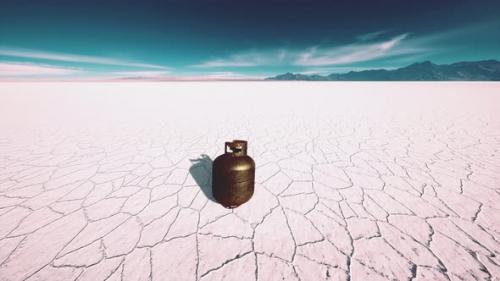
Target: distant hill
487	70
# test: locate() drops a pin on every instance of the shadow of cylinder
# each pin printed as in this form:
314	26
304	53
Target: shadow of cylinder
201	171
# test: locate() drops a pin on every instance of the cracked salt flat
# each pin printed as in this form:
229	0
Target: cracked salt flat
355	181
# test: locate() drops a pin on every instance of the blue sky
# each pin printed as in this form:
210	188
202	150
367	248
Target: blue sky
222	39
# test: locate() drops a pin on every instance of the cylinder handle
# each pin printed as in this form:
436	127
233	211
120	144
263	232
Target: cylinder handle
236	146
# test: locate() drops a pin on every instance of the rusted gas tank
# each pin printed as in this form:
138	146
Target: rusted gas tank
233	175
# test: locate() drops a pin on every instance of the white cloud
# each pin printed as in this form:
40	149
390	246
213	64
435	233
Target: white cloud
229	76
247	59
282	54
359	51
225	63
351	53
166	76
250	58
139	74
211	76
40	72
371	35
8	69
37	54
368	47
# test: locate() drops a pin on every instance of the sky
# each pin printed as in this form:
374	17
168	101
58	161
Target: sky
232	39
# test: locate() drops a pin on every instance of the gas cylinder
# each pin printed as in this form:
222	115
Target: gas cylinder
233	175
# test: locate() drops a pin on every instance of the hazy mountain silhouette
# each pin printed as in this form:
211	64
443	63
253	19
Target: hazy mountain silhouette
487	70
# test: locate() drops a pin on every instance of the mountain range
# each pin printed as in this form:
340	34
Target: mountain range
486	70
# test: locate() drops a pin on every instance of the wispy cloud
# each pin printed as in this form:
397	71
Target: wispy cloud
75	58
8	69
227	76
371	35
376	48
357	52
210	76
364	49
139	74
15	71
248	59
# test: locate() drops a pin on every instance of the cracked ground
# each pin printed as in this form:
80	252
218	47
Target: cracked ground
354	181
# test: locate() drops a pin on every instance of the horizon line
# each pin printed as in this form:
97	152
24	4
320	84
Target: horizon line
211	78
